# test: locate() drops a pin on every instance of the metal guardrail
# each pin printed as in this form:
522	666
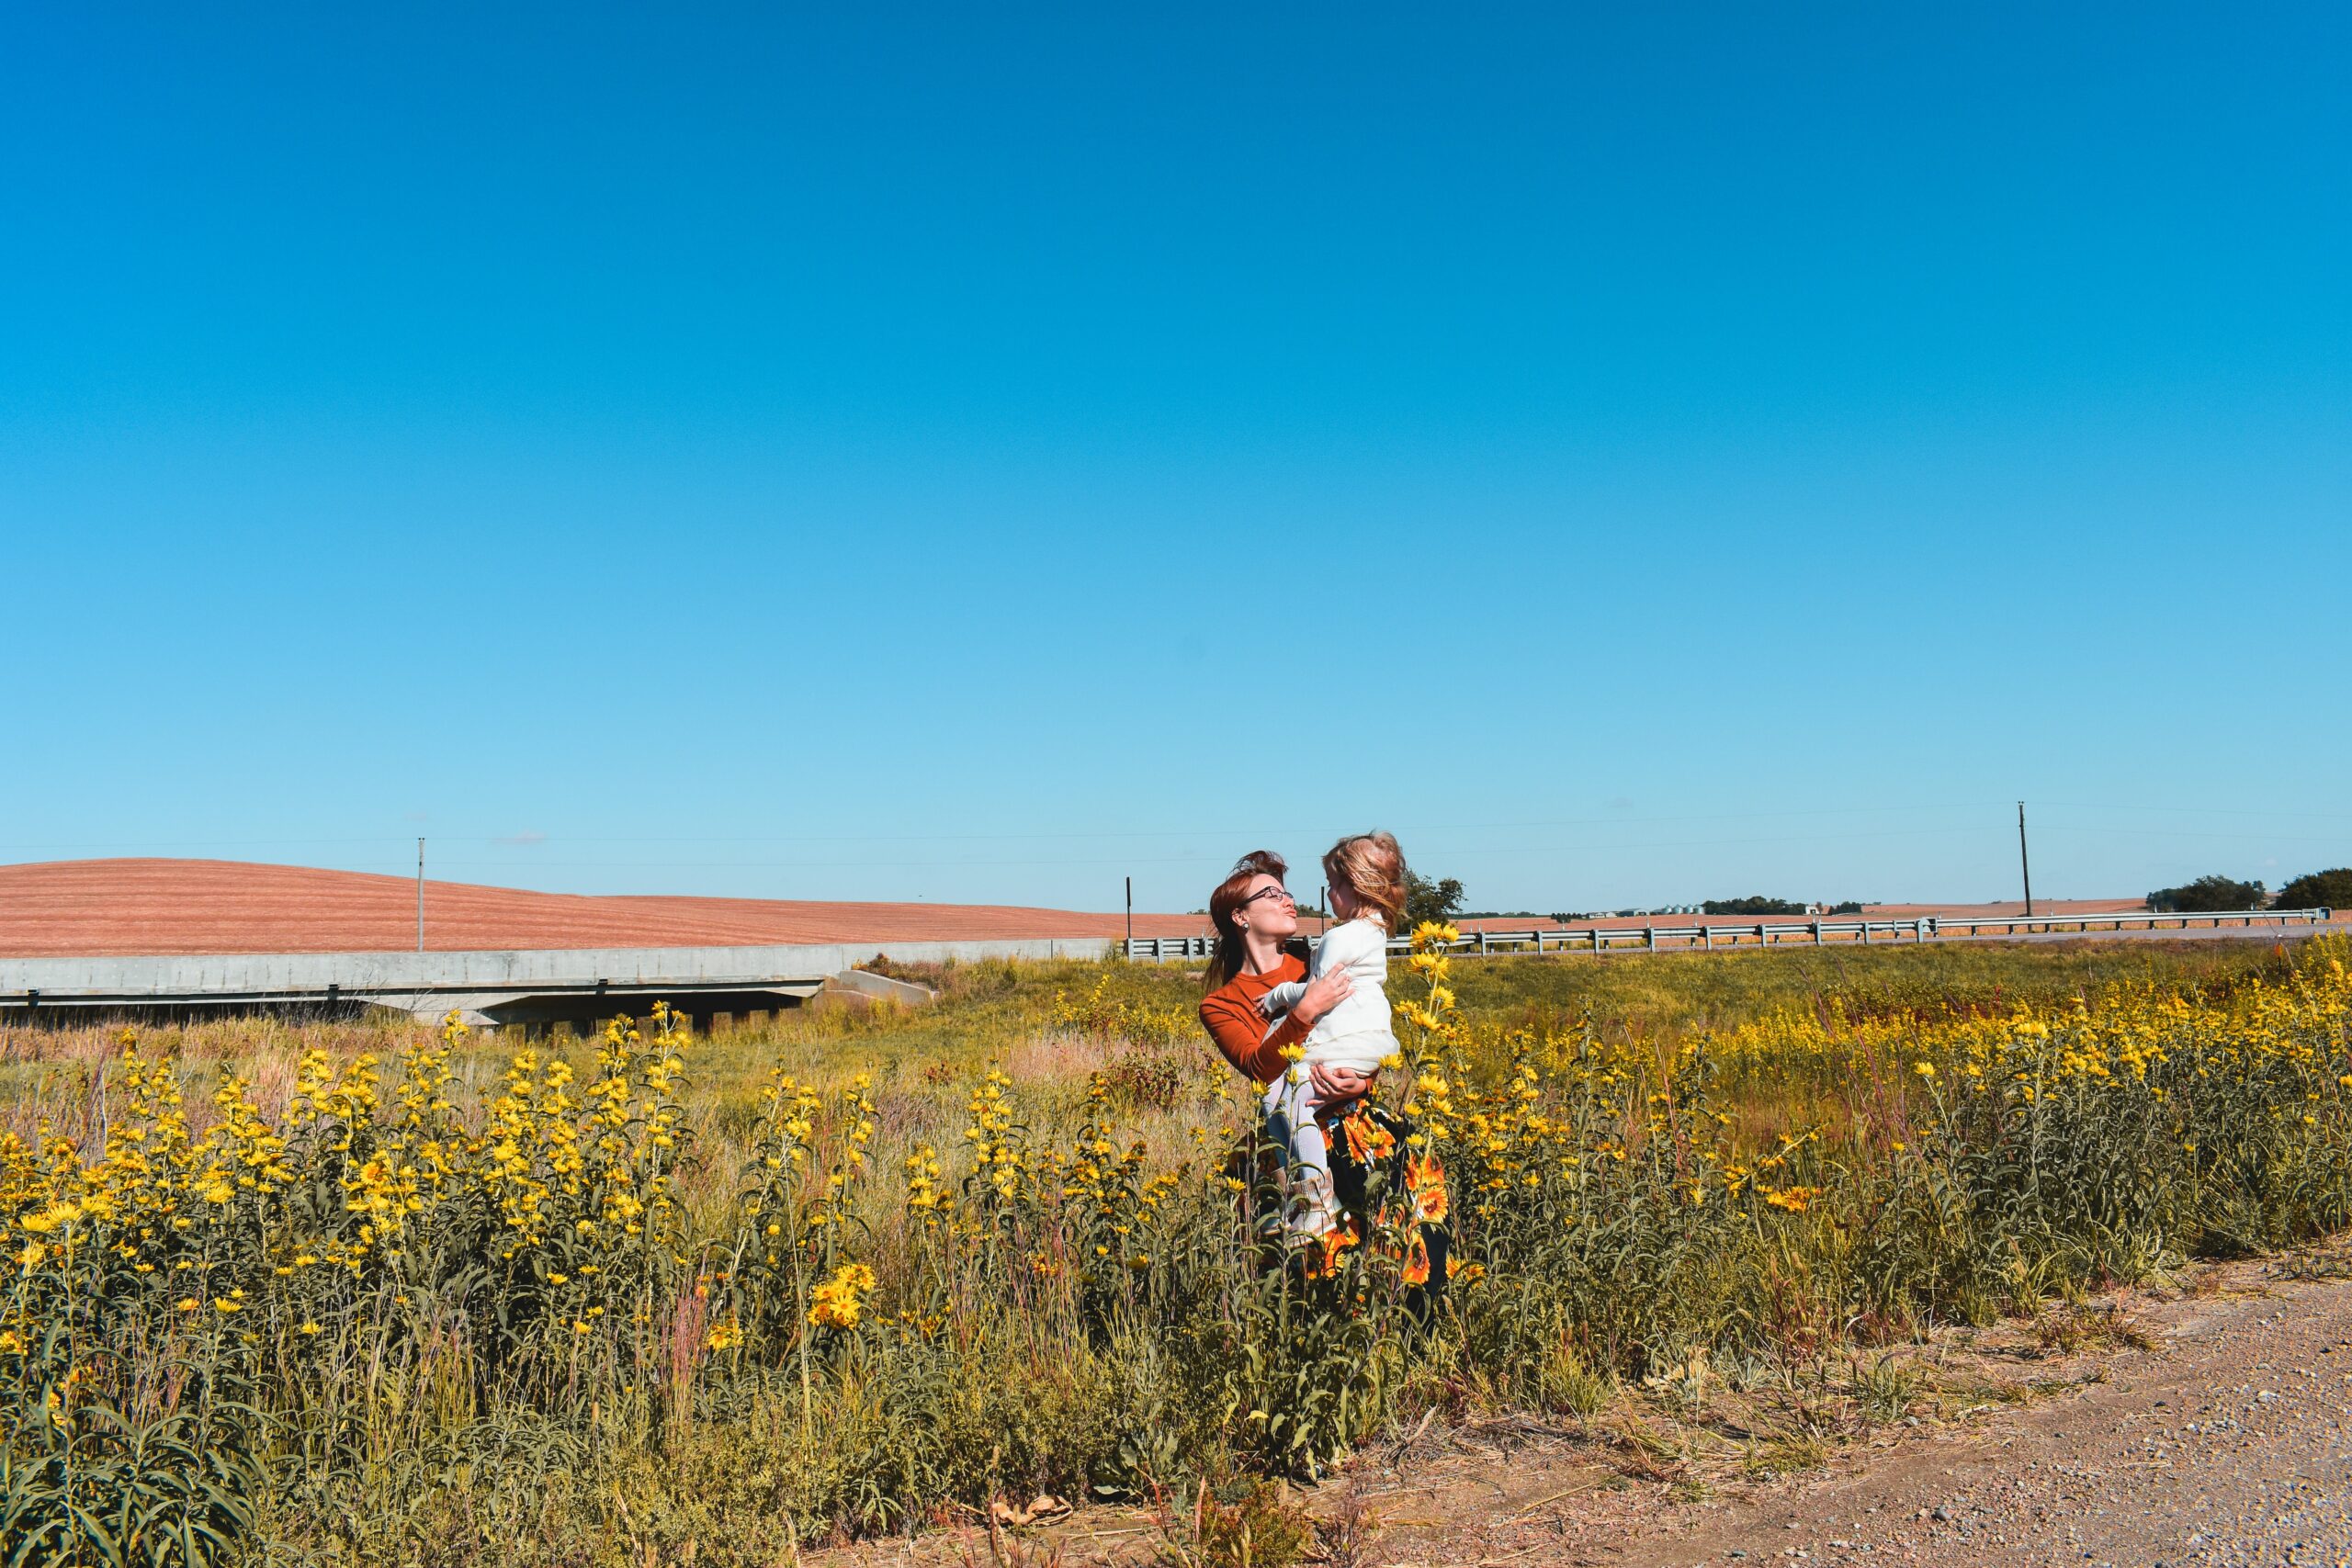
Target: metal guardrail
1163	948
2137	920
1706	935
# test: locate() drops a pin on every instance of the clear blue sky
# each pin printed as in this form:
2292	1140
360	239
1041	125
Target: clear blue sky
977	452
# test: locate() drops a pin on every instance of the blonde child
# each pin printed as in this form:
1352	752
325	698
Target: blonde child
1366	874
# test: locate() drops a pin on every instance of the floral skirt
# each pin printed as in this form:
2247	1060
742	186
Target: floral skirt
1385	1188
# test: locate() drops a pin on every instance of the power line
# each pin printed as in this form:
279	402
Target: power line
1220	857
2180	833
1610	820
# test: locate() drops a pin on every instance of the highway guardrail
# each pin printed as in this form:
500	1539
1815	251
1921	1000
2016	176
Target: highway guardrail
1708	935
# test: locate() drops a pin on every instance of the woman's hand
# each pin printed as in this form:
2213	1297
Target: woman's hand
1335	1086
1322	995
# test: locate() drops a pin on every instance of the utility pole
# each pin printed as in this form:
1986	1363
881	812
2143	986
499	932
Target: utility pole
419	894
1322	909
2024	862
1131	918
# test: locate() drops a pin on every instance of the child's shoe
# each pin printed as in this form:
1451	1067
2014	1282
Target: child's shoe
1314	1208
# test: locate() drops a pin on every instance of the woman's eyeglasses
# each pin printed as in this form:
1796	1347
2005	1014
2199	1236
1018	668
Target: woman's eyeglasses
1281	893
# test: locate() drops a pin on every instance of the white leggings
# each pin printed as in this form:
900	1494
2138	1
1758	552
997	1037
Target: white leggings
1292	1103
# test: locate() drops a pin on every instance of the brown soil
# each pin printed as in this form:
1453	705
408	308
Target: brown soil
2223	1443
70	908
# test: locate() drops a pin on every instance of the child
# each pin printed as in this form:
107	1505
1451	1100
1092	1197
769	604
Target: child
1350	1042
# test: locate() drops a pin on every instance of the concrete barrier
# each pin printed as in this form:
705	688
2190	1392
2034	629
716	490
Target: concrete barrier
867	984
492	986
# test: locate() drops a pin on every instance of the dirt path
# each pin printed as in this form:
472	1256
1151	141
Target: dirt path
2227	1442
2224	1444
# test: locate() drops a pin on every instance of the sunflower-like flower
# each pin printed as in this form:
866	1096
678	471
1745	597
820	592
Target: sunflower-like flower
837	1303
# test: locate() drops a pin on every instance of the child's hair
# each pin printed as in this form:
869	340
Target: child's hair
1371	865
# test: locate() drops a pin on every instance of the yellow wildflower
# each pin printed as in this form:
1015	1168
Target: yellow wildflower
55	1216
837	1303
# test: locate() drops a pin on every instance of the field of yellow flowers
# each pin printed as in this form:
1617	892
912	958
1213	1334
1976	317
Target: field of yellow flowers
343	1294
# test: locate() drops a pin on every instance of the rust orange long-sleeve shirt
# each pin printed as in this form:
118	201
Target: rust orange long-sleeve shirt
1230	1015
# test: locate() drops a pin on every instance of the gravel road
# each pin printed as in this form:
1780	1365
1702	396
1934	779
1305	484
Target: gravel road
2227	1444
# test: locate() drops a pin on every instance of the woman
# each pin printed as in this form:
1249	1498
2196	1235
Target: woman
1256	919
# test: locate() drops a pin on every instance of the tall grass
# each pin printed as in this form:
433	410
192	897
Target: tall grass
347	1294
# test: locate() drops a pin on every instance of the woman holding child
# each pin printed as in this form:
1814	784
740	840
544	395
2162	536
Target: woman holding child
1267	1003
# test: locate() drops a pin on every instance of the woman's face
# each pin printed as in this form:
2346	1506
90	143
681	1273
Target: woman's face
1267	911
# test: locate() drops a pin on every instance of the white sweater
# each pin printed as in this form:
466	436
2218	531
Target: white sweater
1357	1033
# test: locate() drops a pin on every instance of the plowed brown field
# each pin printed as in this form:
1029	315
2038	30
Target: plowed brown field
67	907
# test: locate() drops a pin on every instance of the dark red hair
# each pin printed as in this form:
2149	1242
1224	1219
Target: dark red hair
1226	902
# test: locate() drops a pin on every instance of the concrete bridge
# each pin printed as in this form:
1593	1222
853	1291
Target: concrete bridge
577	985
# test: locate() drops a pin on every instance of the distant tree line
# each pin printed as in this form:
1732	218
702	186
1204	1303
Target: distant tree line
2210	893
1438	900
1754	904
1442	899
2314	890
2318	890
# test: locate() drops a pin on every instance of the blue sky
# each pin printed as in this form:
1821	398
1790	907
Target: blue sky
978	452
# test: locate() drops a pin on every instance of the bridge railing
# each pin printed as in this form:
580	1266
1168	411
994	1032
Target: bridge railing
1708	935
